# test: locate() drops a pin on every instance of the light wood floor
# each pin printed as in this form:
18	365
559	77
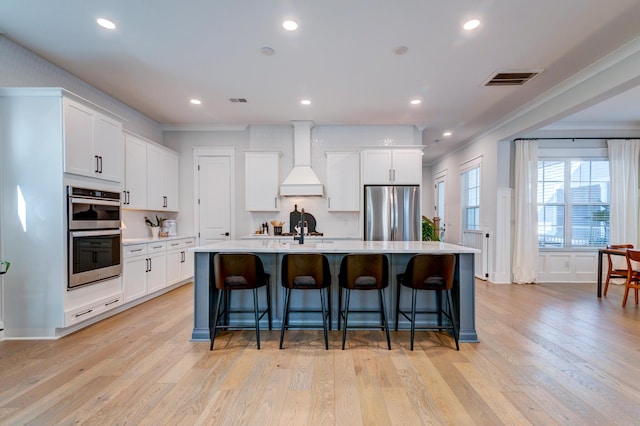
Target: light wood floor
549	354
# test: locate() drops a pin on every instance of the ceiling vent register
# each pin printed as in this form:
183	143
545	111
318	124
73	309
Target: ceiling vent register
511	78
240	100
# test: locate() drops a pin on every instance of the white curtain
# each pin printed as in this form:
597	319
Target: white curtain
525	251
623	213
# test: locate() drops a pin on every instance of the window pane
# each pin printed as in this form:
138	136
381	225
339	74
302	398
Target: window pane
584	211
551	226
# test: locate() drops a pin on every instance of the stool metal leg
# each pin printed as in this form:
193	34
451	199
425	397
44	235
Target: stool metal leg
398	304
216	313
268	290
285	316
413	315
456	332
325	317
383	313
346	318
257	315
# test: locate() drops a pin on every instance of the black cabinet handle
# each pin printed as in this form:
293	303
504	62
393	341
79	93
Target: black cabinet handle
97	170
100	161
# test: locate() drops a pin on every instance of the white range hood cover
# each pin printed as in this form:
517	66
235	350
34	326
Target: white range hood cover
301	181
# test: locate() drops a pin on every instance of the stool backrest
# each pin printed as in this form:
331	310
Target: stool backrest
238	270
633	262
364	271
305	270
430	271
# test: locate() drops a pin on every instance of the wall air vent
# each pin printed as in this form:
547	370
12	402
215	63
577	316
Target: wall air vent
240	100
511	78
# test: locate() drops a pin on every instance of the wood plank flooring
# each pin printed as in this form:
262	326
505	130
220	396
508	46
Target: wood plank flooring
549	354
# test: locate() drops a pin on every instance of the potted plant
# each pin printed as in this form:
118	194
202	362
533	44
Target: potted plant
154	226
429	231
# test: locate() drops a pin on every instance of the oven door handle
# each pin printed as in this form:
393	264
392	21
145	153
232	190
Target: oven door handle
95	233
94	201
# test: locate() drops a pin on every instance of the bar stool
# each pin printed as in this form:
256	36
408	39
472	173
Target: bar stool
429	272
614	270
363	272
306	271
238	271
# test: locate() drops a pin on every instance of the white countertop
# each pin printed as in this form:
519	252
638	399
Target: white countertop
284	237
343	246
129	241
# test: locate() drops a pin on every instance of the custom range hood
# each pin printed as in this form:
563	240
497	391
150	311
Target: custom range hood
301	181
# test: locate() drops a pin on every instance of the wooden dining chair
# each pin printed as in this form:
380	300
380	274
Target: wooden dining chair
615	270
633	275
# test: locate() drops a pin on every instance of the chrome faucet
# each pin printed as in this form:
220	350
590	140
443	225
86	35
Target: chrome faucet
300	237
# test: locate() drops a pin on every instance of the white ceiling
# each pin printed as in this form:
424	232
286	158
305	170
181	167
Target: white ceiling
342	58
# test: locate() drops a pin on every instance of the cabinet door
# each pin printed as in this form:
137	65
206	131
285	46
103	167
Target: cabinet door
157	275
187	267
107	146
155	178
134	277
174	264
376	167
135	173
78	139
407	167
261	181
171	181
343	181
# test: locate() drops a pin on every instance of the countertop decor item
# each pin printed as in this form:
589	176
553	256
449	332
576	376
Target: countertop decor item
154	226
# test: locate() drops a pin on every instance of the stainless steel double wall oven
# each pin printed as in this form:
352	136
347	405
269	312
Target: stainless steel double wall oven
94	236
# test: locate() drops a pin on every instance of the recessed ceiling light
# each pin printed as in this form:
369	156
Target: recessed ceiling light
447	134
267	51
415	102
471	24
290	25
305	102
196	101
401	50
105	23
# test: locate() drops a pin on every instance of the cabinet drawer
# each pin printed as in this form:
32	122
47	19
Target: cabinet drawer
174	244
157	247
134	250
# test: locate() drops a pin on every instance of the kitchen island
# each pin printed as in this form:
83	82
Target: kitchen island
398	252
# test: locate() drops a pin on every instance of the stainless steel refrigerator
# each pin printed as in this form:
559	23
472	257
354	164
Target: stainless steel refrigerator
392	213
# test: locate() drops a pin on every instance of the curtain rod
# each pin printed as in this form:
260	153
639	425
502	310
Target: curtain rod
572	139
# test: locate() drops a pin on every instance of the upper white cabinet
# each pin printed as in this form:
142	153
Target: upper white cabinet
261	181
151	176
135	173
92	142
162	179
392	166
343	181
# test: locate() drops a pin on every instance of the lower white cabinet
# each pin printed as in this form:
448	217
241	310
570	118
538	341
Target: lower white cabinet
179	260
149	267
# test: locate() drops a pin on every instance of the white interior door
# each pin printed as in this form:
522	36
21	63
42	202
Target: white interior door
214	204
440	184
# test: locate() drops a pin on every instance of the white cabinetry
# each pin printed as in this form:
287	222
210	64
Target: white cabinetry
135	173
179	260
134	271
261	181
144	269
151	176
343	181
92	142
162	179
392	166
149	267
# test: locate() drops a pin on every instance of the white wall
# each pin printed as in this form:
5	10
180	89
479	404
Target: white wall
23	68
280	138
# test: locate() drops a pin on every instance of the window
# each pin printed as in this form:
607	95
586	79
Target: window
471	199
573	203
